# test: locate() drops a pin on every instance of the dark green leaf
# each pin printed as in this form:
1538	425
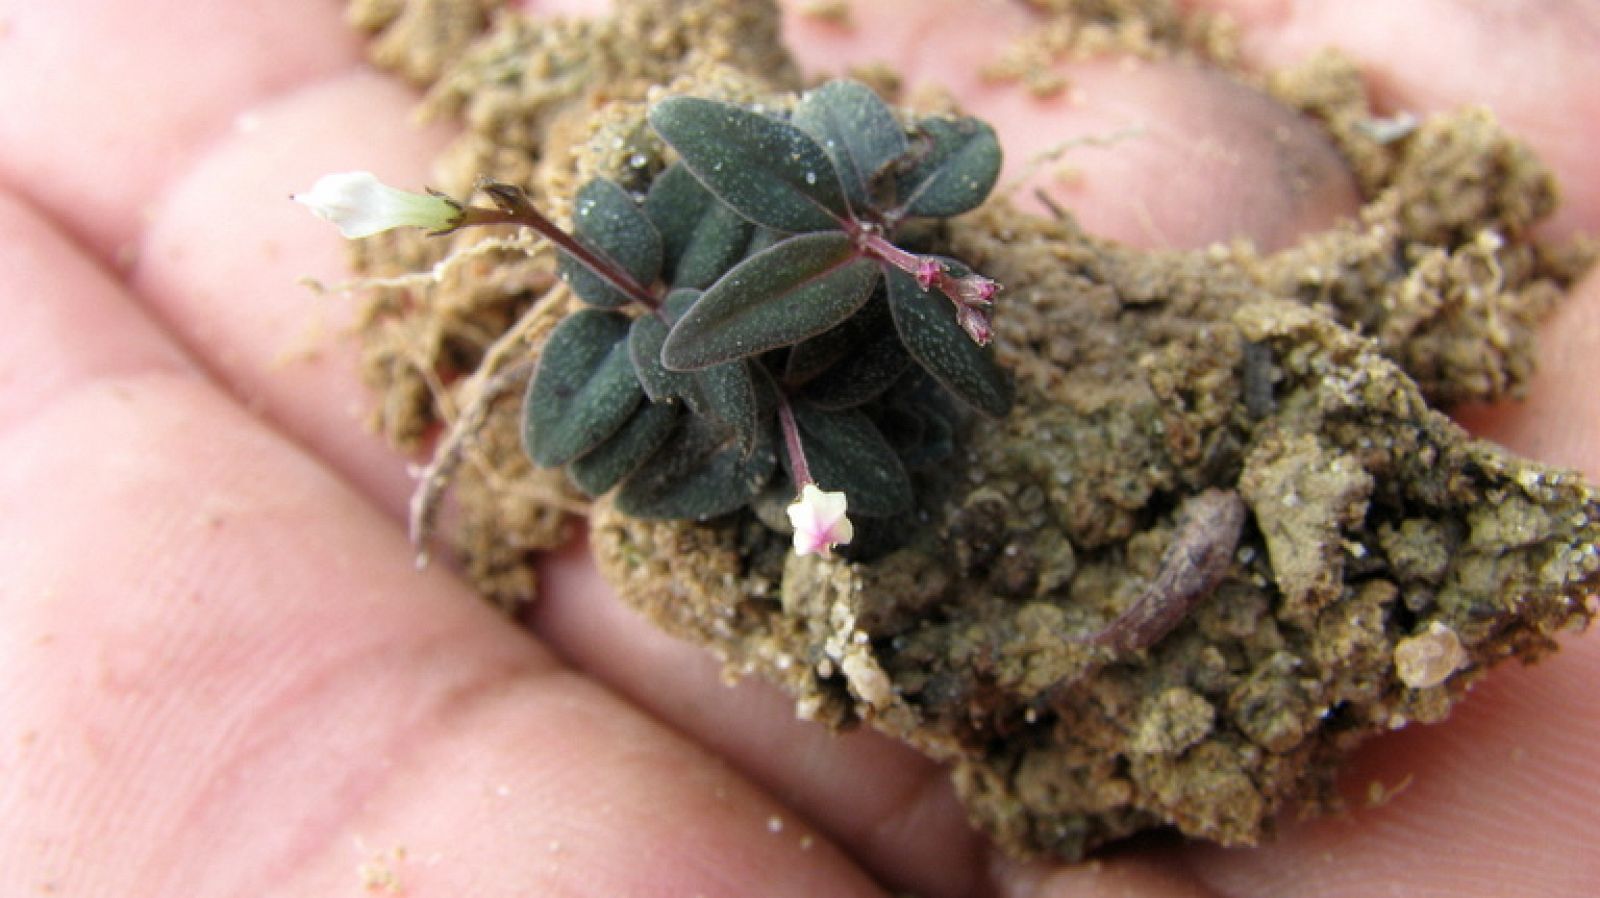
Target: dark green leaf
927	324
846	452
700	472
584	390
607	221
956	162
717	245
921	432
797	289
602	468
675	204
701	237
644	348
769	171
811	357
727	393
857	131
763	239
860	376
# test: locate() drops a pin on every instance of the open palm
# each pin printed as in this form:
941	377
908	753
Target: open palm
219	674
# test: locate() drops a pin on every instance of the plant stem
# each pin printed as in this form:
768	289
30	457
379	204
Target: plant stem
514	208
791	443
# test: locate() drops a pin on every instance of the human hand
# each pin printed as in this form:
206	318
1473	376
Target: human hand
221	675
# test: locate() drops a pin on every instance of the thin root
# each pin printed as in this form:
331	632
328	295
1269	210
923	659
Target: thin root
493	380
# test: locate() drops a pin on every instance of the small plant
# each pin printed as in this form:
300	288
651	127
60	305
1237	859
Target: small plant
754	331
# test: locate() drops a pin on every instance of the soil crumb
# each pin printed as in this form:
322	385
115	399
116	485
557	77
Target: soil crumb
1385	558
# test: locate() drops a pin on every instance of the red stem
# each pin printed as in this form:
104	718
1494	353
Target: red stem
516	209
791	443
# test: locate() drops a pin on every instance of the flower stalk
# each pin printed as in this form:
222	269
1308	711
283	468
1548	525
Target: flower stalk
818	515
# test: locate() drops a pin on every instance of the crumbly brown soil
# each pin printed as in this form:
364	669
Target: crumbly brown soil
1387	558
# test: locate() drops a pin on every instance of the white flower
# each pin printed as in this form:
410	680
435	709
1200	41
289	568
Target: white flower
361	205
819	521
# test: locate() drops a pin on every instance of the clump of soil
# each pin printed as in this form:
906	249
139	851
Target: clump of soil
1348	559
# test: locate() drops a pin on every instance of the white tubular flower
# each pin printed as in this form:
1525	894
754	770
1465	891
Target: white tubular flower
361	205
819	521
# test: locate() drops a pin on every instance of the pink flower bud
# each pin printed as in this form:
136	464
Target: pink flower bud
975	322
974	289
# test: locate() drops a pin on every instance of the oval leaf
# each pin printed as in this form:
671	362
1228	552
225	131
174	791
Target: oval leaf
607	221
769	171
644	349
845	451
604	467
918	422
701	237
699	473
584	389
810	358
957	162
763	239
675	204
861	376
926	321
727	393
797	289
857	131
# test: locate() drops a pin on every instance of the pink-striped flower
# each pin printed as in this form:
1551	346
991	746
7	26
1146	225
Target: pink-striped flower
819	521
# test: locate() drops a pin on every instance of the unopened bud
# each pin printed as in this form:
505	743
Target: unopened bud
360	205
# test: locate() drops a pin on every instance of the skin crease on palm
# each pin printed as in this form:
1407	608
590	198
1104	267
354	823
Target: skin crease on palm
219	674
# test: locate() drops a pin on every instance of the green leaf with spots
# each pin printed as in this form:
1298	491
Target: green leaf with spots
763	239
857	131
862	375
727	393
926	322
700	472
797	289
953	165
814	355
845	451
918	419
701	237
608	222
645	339
604	467
769	171
584	390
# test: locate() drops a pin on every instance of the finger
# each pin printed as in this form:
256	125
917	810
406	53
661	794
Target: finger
221	677
896	811
1232	163
224	254
1531	61
102	102
1501	801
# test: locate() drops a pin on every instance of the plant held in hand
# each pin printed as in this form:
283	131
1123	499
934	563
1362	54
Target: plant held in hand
753	330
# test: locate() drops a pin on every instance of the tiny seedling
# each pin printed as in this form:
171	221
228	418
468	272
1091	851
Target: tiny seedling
753	329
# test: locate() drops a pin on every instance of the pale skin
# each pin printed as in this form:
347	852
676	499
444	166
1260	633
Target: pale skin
219	674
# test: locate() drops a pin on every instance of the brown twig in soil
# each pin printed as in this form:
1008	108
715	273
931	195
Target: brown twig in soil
1209	525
